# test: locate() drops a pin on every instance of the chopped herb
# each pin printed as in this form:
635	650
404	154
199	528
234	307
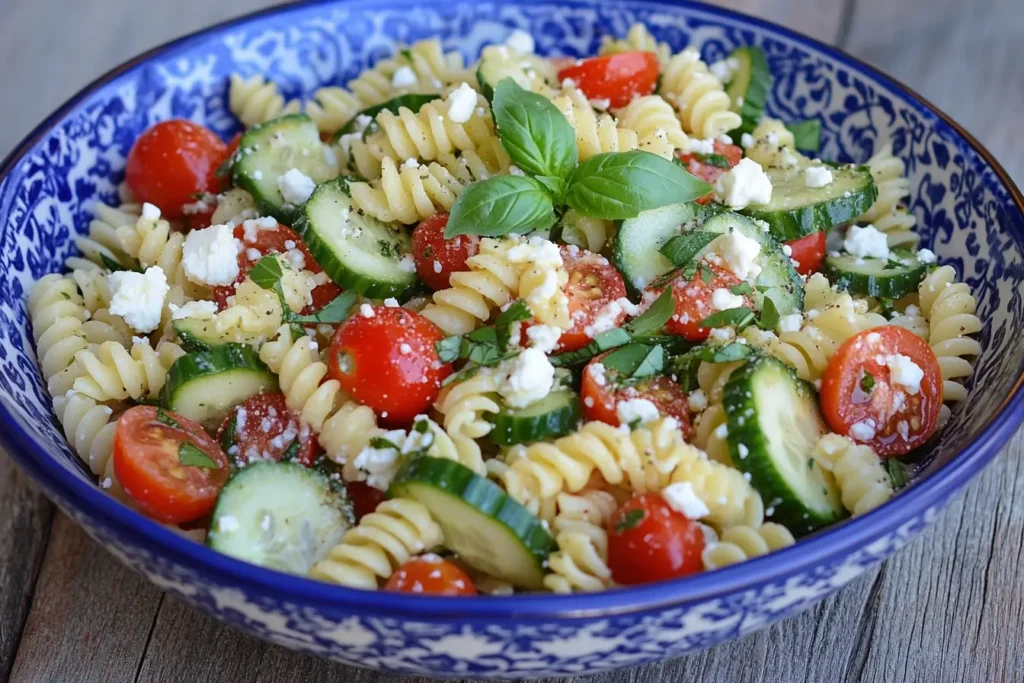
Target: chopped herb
635	361
716	160
806	134
337	311
421	426
115	266
162	416
292	452
267	272
382	443
388	249
629	521
503	325
682	249
894	264
655	317
899	473
867	382
461	376
770	317
66	295
742	289
611	339
706	274
448	348
731	317
191	455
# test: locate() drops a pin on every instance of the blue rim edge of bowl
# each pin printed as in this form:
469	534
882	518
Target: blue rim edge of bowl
820	549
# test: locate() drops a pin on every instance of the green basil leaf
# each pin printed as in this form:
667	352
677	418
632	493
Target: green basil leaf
500	206
684	367
630	520
806	134
867	382
770	317
448	348
634	361
610	339
716	160
730	317
292	452
336	311
741	289
519	310
655	317
227	437
673	344
681	250
267	272
617	186
652	364
191	455
537	136
483	335
114	266
412	102
899	472
381	443
163	417
556	186
706	274
461	376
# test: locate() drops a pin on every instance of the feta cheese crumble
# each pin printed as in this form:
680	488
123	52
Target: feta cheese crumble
722	299
138	297
150	212
521	42
461	103
683	499
863	431
817	176
745	184
366	310
739	253
905	372
866	241
403	77
201	310
295	186
528	378
543	337
636	410
210	256
926	256
790	323
698	400
702	146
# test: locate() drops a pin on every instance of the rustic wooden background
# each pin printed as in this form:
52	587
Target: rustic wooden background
948	608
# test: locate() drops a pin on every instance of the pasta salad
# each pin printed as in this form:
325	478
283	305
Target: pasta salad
527	324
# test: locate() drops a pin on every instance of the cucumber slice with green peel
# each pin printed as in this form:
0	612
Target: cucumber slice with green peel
637	241
498	63
356	250
490	532
773	424
796	210
207	385
268	151
279	515
892	278
553	416
198	334
749	86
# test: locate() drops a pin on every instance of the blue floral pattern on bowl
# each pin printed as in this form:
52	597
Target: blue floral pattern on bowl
968	212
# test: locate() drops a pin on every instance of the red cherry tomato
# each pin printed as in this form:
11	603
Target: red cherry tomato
617	78
388	362
593	284
602	391
172	162
364	497
649	541
148	463
263	428
694	301
860	398
808	253
432	576
700	165
436	257
274	239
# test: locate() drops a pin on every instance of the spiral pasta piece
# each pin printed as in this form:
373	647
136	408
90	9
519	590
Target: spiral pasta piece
113	372
950	309
104	326
710	432
862	479
638	39
92	283
382	541
712	377
581	561
332	107
57	312
409	194
256	100
699	96
102	241
887	214
586	232
464	406
151	242
651	116
234	206
741	543
491	281
253	316
89	427
599	134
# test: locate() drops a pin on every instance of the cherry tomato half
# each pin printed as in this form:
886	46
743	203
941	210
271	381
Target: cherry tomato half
172	162
808	253
364	497
602	391
199	219
649	541
593	285
861	397
694	300
151	447
710	168
617	78
436	257
263	428
430	575
387	361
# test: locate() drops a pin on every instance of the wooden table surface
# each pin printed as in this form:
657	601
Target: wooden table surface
950	607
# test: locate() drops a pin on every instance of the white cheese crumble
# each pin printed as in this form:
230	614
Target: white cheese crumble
722	299
608	316
636	410
817	176
601	104
739	253
295	186
543	337
366	310
228	524
201	310
407	264
521	42
697	400
745	184
138	297
597	373
926	256
722	334
723	69
391	302
528	378
150	212
866	241
905	372
790	323
746	140
683	499
461	103
702	146
380	465
210	256
863	431
403	77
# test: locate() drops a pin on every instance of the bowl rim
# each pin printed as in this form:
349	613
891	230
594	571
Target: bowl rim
825	546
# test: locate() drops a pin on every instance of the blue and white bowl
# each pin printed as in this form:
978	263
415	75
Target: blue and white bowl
968	209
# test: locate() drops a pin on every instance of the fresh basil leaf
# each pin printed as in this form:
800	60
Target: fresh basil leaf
537	136
461	376
483	335
673	344
886	306
730	317
381	443
406	55
681	250
292	452
114	266
163	417
500	206
610	339
652	364
634	361
556	186
448	348
336	311
296	330
267	272
867	382
679	162
684	367
899	473
630	520
770	317
519	310
655	317
191	455
806	134
617	186
412	102
716	160
741	289
227	437
706	274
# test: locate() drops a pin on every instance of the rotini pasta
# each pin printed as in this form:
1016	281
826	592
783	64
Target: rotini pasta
89	427
858	471
651	116
949	307
57	312
581	561
102	240
699	96
256	100
887	213
773	144
113	372
586	232
465	406
409	194
599	134
741	543
638	39
709	434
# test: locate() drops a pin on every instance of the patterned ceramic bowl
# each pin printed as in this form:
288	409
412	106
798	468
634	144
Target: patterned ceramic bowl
970	214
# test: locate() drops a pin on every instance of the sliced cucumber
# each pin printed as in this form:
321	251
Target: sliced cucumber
269	150
490	532
206	385
796	210
892	278
637	241
499	62
551	417
356	250
279	515
773	424
197	334
749	86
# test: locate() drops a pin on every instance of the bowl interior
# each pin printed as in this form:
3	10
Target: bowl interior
966	210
